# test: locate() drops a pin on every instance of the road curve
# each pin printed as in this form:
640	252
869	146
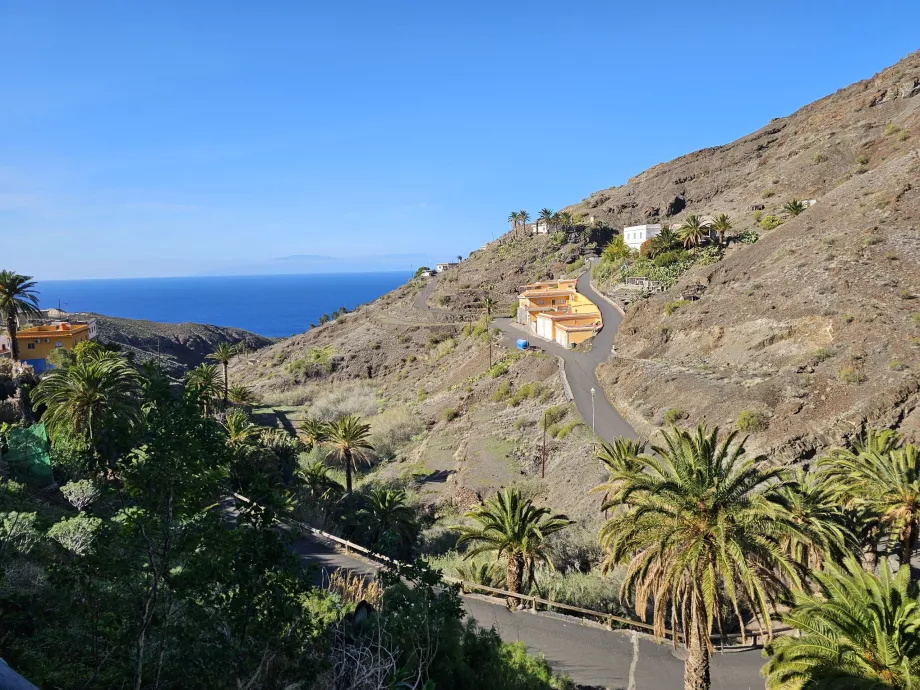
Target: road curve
591	656
580	366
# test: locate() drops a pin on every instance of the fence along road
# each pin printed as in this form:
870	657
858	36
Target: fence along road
592	656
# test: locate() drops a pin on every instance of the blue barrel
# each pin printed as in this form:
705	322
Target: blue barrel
523	344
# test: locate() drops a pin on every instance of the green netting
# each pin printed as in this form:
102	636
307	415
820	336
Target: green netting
29	455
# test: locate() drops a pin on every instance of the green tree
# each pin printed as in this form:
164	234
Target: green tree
721	224
692	231
615	250
96	401
349	440
313	431
319	486
524	217
241	395
858	630
222	355
822	532
514	218
883	477
511	527
204	382
548	216
488	304
388	521
698	525
794	207
18	298
420	271
239	427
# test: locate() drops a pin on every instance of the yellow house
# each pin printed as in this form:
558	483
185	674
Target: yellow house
37	342
555	310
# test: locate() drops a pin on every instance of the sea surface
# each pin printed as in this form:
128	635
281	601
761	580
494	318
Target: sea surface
273	306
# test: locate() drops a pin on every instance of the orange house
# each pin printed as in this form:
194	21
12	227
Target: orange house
37	342
555	310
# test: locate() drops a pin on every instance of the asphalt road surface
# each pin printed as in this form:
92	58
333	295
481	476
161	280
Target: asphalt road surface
580	366
618	660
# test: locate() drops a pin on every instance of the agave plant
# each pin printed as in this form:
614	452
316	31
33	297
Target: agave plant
794	207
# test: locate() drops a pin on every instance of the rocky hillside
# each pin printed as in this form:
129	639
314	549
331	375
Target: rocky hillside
815	329
798	338
180	346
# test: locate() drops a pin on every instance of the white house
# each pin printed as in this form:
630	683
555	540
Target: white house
445	266
540	227
635	235
6	345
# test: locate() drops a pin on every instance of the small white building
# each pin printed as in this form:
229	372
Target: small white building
635	235
6	345
540	227
445	266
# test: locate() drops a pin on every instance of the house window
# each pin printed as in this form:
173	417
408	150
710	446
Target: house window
59	344
30	346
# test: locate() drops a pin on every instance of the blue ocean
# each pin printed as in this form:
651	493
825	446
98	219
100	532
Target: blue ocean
273	306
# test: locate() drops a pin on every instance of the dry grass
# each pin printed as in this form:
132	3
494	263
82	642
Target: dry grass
353	588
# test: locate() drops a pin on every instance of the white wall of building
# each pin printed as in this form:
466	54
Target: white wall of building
635	235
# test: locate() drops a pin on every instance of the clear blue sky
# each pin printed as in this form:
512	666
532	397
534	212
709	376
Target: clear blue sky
170	138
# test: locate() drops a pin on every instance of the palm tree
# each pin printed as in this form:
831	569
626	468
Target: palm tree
547	215
692	232
349	439
90	400
514	219
699	524
313	431
858	630
240	429
388	520
886	483
823	532
524	217
241	395
488	304
794	207
319	485
204	381
222	355
17	298
721	224
510	526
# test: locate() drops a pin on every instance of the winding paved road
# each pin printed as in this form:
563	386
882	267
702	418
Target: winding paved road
580	366
591	656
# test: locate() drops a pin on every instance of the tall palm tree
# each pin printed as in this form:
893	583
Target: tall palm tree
18	298
313	431
90	399
204	381
524	217
488	304
547	215
692	231
510	526
514	219
388	520
814	508
887	483
721	224
794	207
222	355
349	439
699	524
858	630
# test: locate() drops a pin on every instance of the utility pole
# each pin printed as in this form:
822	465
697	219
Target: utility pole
543	460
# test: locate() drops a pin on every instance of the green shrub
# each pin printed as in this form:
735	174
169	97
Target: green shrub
528	391
770	222
751	422
512	312
903	135
891	129
671	257
819	158
674	415
421	395
673	306
449	414
443	300
907	294
568	428
553	415
862	159
502	392
896	365
915	317
498	369
767	193
445	347
861	169
850	375
757	215
747	236
318	361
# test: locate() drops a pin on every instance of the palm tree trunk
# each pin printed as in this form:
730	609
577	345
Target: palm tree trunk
908	542
696	668
226	386
347	472
11	329
515	575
